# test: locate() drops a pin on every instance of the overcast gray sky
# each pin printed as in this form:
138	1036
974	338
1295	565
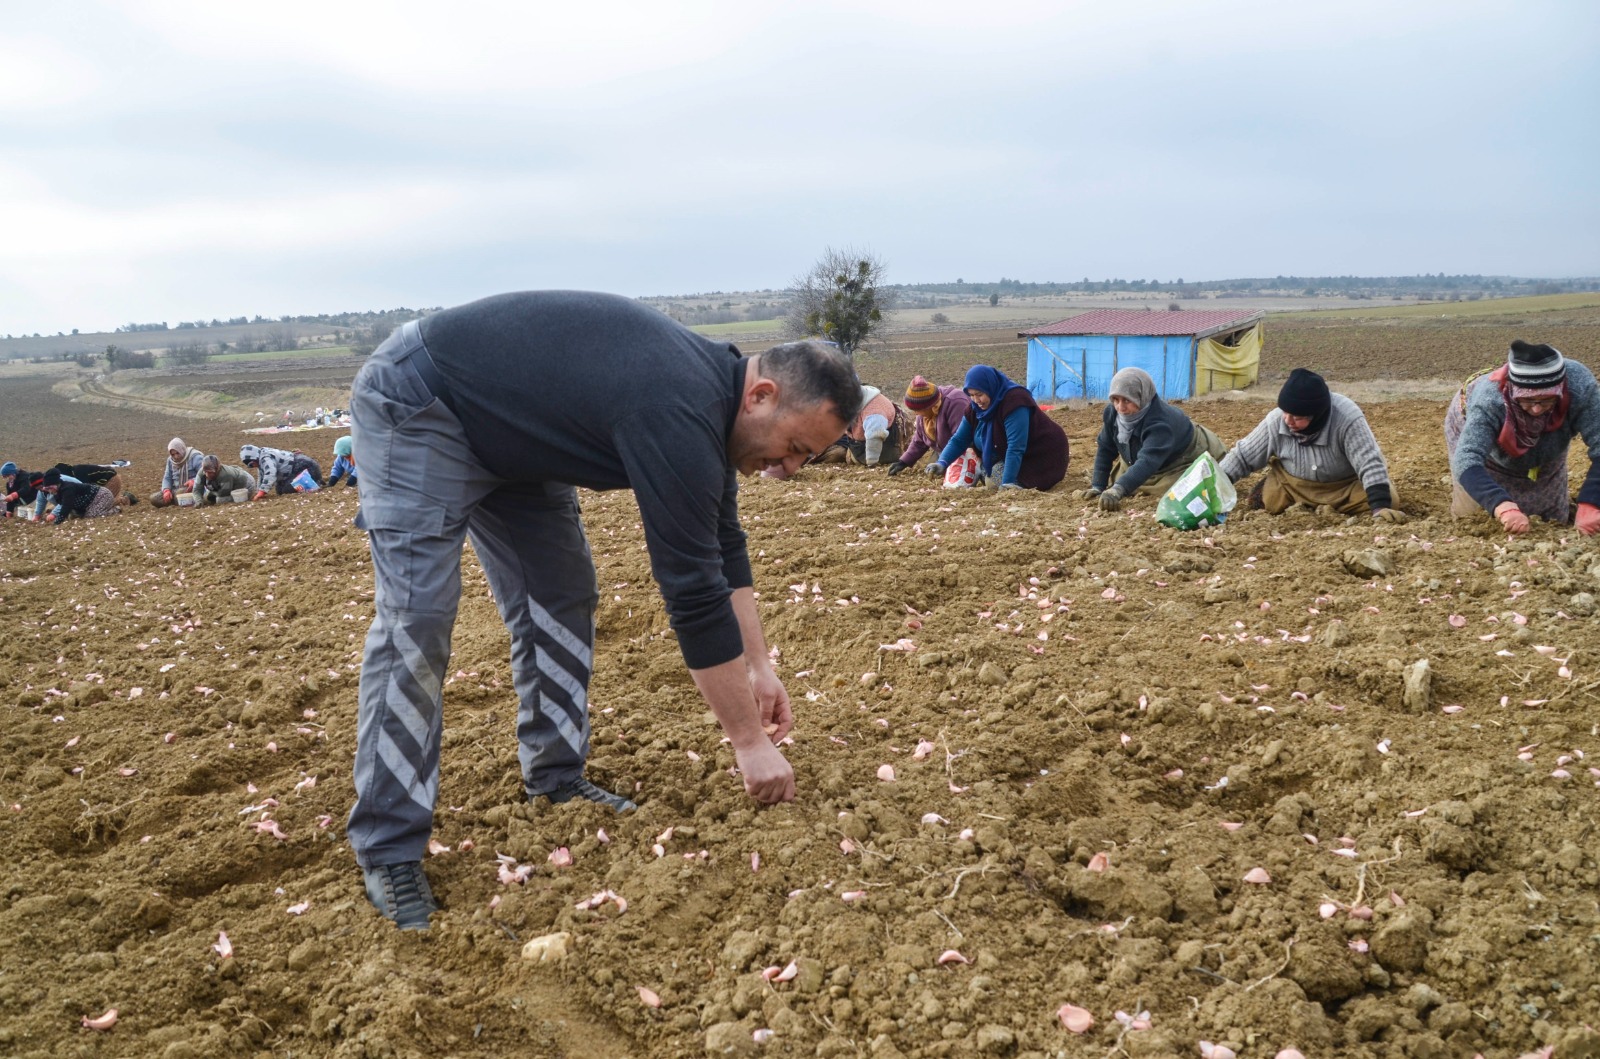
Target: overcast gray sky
184	159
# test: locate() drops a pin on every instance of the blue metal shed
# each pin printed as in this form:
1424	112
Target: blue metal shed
1186	352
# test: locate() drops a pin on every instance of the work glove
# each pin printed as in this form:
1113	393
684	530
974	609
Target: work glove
1004	486
1588	520
1088	494
50	517
166	496
1390	514
351	484
189	485
1111	499
1511	517
996	476
895	468
261	494
935	469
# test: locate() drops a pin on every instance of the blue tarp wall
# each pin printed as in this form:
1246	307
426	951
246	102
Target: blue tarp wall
1061	367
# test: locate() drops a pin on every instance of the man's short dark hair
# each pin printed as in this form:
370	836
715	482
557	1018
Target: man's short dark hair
809	372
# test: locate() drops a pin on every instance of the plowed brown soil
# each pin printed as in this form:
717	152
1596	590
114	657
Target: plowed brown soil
1104	728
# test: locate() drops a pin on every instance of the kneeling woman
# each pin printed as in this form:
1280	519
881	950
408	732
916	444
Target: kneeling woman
1508	432
78	499
1019	447
1145	444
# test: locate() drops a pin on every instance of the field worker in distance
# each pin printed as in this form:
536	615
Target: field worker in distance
183	467
1145	444
1318	451
625	398
1508	432
20	492
101	474
219	480
75	498
1018	446
939	411
344	462
277	469
877	434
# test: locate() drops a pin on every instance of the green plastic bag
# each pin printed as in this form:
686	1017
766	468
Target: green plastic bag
1202	496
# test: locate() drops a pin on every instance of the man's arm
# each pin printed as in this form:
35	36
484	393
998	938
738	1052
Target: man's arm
1250	454
772	699
768	776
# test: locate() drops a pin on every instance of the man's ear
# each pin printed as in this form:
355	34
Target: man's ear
761	392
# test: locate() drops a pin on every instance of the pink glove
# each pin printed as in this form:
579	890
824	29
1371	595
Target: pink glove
1511	517
262	495
189	485
166	496
1588	520
50	517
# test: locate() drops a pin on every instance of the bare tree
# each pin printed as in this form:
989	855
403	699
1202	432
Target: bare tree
282	337
840	298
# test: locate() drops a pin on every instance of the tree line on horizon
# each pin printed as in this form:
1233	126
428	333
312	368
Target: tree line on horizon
363	330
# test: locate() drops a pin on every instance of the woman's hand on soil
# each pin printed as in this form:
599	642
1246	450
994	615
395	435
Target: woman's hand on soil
1511	517
1088	494
768	776
1389	514
1111	499
934	468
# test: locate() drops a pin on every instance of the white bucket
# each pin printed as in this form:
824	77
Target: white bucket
240	496
185	499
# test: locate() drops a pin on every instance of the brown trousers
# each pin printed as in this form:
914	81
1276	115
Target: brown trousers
1281	489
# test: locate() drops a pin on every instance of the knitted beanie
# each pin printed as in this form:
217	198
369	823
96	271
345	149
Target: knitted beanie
1305	393
921	394
8	470
1533	366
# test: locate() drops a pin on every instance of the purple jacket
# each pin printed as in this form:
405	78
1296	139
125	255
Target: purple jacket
951	411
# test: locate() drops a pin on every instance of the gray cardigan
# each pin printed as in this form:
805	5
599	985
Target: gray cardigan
1343	448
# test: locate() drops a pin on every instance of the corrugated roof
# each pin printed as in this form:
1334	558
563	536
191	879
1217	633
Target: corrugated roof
1139	322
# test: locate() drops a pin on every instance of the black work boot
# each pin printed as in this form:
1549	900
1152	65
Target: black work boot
401	893
582	788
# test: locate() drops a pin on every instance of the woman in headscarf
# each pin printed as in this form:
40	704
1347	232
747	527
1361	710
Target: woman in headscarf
344	462
1145	444
20	492
1508	431
183	467
80	499
939	411
102	474
1018	446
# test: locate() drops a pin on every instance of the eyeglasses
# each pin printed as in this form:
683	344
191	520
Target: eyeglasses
1536	404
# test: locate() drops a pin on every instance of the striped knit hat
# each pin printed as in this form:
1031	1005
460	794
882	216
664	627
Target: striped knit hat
921	394
1535	367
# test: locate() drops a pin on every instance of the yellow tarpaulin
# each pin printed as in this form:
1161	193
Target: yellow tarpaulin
1218	366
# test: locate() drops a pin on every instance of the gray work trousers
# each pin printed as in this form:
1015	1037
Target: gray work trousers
423	490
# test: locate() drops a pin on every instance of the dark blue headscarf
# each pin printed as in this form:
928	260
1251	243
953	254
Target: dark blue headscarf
993	382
